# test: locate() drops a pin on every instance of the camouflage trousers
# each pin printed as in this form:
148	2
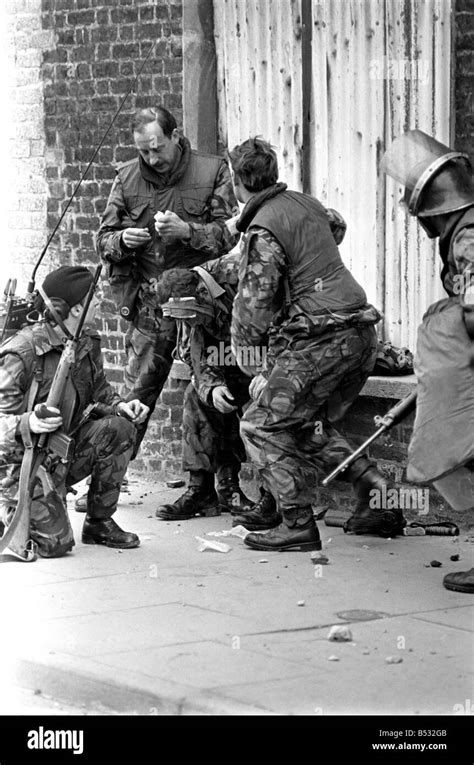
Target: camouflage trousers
211	439
288	432
102	450
149	345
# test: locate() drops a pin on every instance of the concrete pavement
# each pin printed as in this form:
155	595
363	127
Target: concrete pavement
167	629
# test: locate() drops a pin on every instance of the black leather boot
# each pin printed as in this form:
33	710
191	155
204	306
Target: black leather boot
302	536
370	515
104	531
260	516
231	497
199	498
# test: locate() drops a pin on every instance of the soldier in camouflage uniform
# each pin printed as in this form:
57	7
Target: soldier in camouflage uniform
103	447
297	299
213	401
167	208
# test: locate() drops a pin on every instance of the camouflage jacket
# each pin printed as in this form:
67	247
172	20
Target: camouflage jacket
207	349
199	190
34	352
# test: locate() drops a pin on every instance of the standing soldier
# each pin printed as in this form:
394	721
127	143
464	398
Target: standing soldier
167	208
439	191
297	299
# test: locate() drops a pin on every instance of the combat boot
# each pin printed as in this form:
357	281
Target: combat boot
260	516
460	581
200	498
231	497
299	537
104	531
370	517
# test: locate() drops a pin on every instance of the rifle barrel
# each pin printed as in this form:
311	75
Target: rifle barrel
352	457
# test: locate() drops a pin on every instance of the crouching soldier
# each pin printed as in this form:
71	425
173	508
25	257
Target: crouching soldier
297	299
102	447
201	301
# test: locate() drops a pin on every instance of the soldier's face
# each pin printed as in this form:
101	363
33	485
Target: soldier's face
155	148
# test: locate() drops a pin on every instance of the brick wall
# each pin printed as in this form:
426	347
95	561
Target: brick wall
24	185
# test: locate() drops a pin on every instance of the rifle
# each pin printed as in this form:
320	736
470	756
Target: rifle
394	415
44	452
13	311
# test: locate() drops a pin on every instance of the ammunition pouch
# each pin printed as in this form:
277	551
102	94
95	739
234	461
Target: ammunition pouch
124	285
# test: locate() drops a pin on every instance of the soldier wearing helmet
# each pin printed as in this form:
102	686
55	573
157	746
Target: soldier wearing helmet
439	191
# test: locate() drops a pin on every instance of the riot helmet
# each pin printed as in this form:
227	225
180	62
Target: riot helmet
437	180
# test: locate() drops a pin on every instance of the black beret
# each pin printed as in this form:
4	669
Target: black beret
70	283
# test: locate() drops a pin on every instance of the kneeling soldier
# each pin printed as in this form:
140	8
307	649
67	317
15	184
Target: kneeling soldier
102	447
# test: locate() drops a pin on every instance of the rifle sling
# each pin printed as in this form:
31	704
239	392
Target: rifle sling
24	498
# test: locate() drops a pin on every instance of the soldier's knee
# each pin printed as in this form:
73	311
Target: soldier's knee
117	435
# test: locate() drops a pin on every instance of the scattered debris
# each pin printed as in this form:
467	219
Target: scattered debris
239	531
393	659
236	531
263	560
120	552
365	547
37	692
454	557
435	563
340	633
199	584
414	531
333	658
319	559
205	544
176	484
366	653
301	603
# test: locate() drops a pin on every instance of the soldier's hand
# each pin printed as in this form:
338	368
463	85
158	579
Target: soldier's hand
134	411
222	399
256	386
40	424
135	237
170	226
